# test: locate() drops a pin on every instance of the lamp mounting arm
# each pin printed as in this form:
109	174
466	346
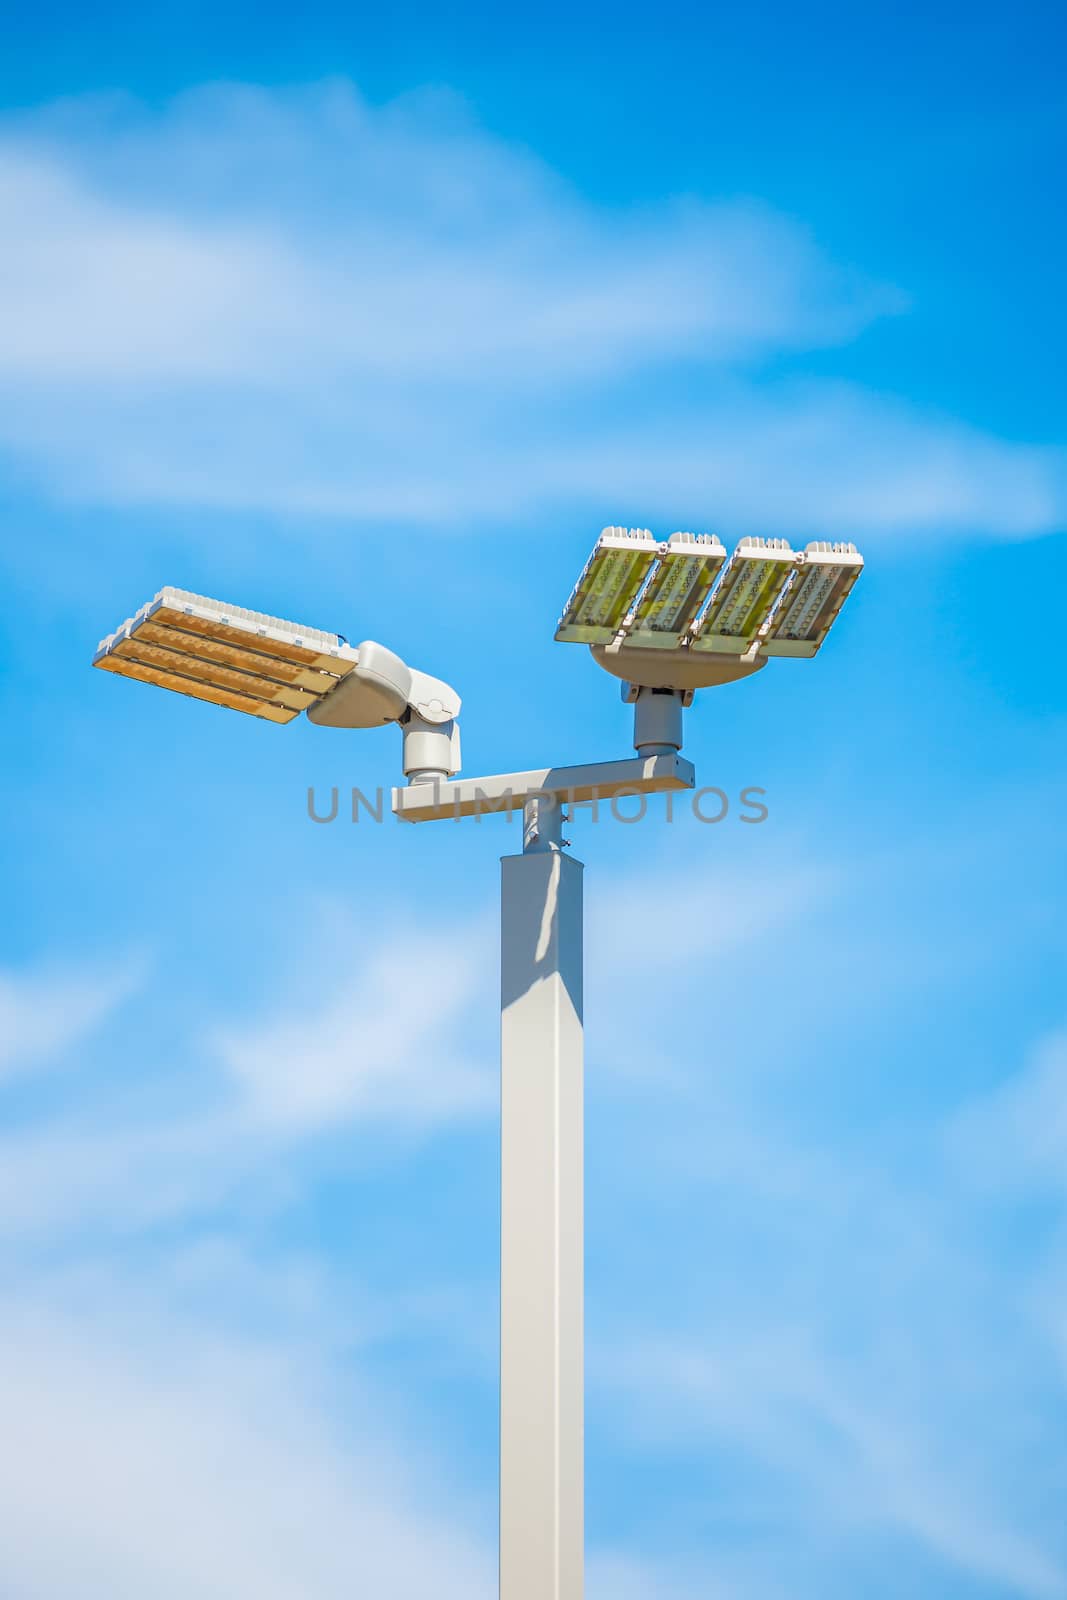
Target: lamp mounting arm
382	688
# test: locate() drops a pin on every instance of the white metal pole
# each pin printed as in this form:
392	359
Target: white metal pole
542	1223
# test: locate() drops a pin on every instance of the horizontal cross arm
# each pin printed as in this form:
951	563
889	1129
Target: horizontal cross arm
509	791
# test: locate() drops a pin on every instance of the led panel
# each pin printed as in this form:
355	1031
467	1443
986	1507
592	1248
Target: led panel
751	582
207	649
227	655
609	586
196	691
678	587
822	581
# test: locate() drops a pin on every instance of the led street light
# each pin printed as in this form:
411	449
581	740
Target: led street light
227	655
273	669
821	583
752	580
608	587
678	587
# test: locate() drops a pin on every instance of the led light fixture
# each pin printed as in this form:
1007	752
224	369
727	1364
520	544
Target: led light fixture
227	655
821	583
609	586
678	587
751	582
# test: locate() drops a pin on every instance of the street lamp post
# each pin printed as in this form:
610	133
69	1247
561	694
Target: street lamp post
667	618
541	1225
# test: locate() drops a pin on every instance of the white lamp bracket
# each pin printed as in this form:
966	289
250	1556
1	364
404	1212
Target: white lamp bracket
382	688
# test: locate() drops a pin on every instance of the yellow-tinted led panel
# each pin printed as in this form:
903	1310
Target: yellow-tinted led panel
608	587
678	587
752	580
244	660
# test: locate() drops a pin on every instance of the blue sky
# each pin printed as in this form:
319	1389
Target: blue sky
374	324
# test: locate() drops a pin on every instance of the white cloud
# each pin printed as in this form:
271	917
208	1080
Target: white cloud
384	1042
295	301
829	457
149	1454
381	1044
621	1575
901	1397
439	254
107	1174
724	908
679	929
1015	1136
851	1452
208	1426
46	1012
858	1336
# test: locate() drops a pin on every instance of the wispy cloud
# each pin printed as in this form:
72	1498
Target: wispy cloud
184	1456
847	1356
438	255
45	1012
725	909
853	1454
299	301
197	1420
1015	1137
859	1334
624	1576
382	1044
121	1175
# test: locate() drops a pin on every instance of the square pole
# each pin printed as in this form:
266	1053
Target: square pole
542	1425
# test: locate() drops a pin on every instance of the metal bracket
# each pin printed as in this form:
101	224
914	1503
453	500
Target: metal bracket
510	791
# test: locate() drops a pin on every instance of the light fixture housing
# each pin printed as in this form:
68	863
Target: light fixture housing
680	616
677	588
609	586
744	596
822	580
265	667
230	656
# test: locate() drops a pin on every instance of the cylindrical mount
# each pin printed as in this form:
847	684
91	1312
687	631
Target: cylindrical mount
429	749
658	721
